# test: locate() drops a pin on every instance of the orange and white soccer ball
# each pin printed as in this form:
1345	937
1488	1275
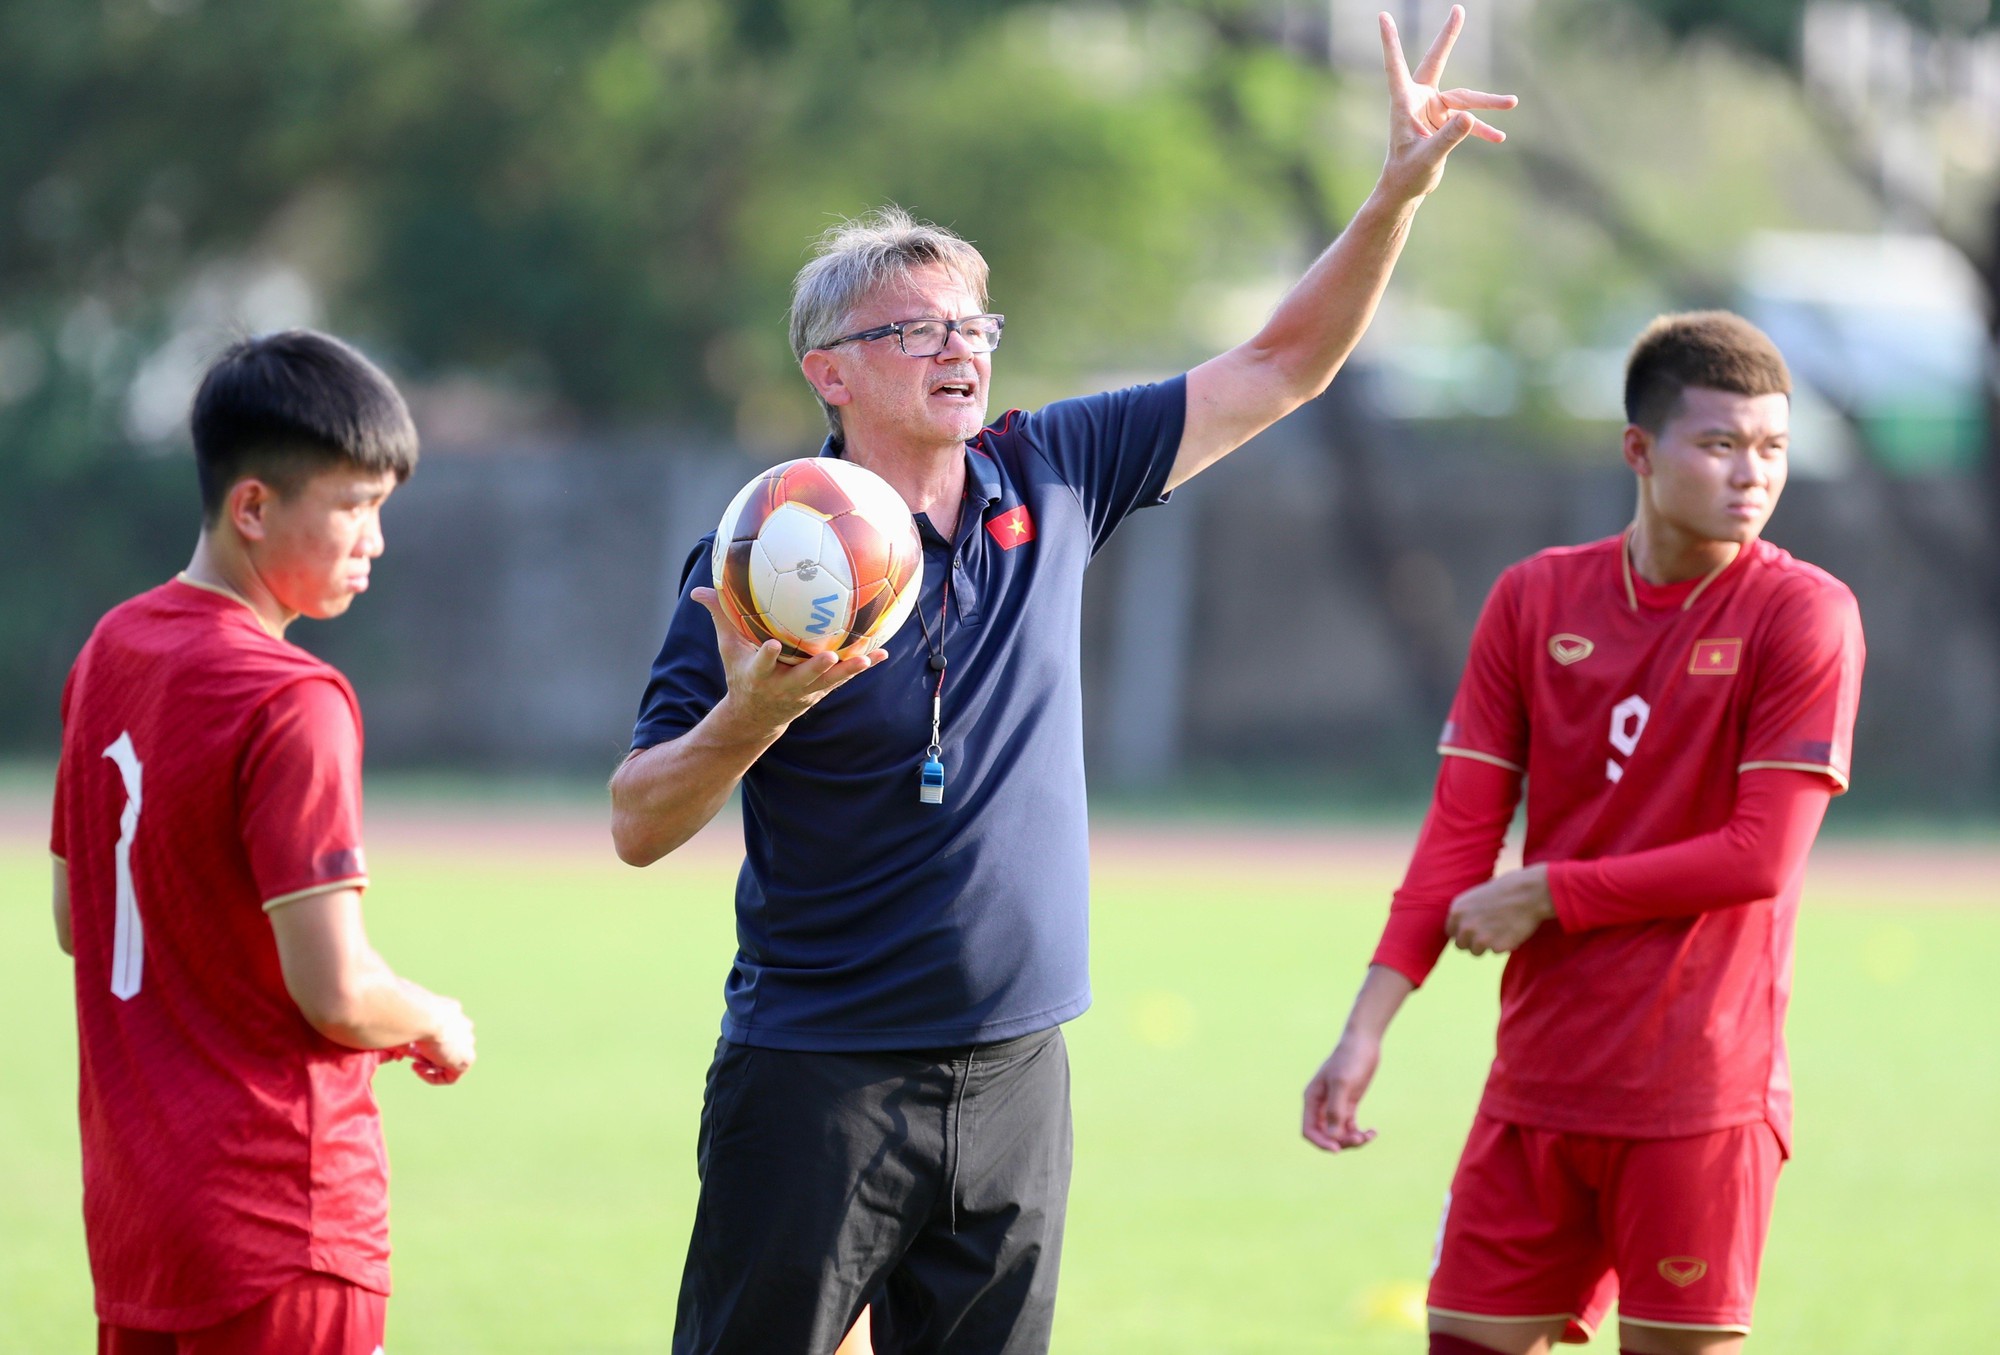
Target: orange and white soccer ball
820	555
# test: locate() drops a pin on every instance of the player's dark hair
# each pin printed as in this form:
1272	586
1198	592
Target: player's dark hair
1715	350
287	406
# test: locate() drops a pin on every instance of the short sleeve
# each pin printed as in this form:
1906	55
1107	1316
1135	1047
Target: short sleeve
1115	450
1489	716
1807	687
299	809
687	679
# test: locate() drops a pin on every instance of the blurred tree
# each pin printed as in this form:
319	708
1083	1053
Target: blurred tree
1869	129
594	204
1771	28
595	207
1596	88
1270	94
607	198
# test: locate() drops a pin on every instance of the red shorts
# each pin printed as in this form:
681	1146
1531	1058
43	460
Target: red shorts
1542	1225
313	1315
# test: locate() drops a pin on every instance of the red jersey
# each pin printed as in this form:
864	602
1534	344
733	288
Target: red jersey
1632	710
210	772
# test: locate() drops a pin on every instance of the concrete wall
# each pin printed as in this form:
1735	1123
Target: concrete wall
1929	730
525	592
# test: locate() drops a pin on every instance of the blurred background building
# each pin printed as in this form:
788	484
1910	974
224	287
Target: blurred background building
568	229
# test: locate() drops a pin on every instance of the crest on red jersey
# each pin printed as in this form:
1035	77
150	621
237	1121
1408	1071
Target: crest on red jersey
1567	649
1683	1270
1716	658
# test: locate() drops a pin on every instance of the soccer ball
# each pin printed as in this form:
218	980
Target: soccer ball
820	555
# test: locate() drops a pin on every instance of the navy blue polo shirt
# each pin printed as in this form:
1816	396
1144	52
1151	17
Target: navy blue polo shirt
865	919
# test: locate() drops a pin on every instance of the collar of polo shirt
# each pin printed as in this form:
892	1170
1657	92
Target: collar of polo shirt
982	481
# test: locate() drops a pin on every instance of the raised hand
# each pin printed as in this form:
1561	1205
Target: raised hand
1425	121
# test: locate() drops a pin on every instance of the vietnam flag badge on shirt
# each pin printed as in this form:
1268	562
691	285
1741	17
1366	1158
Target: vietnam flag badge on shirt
1012	527
1716	658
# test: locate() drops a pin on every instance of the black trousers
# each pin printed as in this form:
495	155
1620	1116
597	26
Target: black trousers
931	1182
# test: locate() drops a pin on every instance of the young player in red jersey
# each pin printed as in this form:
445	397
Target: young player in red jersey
208	878
1680	699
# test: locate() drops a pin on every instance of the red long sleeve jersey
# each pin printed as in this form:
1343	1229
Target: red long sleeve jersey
1633	710
209	773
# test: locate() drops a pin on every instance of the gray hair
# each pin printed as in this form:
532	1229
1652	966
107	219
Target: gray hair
854	257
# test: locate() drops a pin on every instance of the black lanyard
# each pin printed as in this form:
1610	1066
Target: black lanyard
930	776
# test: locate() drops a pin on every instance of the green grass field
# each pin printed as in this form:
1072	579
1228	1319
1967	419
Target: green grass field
542	1205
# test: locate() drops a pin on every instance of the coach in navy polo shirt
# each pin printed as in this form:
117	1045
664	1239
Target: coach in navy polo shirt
868	920
887	1116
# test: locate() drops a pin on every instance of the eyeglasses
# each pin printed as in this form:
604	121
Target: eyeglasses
926	338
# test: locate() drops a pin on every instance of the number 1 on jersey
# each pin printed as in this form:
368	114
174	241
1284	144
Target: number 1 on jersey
128	941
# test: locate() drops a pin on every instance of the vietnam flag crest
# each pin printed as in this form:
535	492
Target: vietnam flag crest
1012	527
1716	658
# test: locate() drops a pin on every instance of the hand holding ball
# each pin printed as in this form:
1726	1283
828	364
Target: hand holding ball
820	555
